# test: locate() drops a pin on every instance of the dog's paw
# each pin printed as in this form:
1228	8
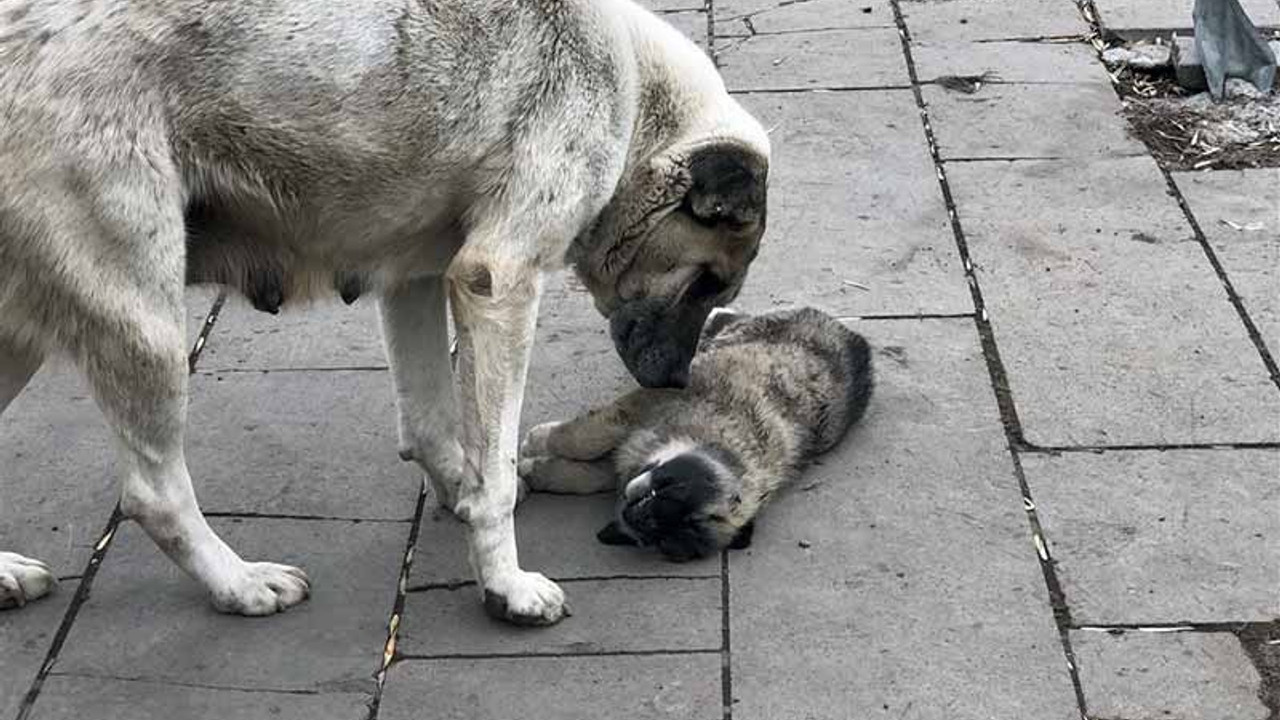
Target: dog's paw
525	598
263	589
537	440
22	580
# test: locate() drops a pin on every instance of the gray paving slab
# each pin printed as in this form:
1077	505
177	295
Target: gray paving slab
991	19
813	60
77	698
1111	323
1009	62
1148	14
748	17
656	687
609	616
146	620
849	232
665	6
691	23
1030	121
899	578
1162	537
26	635
1239	212
1206	676
323	334
299	443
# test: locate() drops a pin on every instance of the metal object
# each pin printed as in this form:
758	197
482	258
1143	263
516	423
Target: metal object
1229	46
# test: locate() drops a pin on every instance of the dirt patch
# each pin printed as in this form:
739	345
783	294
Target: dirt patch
1189	131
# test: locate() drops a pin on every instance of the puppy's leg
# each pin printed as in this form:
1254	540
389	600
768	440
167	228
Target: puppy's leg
415	327
22	579
597	433
495	302
570	477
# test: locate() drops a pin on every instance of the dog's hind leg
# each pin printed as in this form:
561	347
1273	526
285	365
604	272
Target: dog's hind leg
115	304
22	579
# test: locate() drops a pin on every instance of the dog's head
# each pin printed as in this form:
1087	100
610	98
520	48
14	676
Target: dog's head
681	507
674	243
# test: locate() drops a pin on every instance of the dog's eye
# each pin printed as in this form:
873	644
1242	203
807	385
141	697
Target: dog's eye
706	285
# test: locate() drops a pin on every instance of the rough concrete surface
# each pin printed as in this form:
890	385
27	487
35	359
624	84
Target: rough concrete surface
900	577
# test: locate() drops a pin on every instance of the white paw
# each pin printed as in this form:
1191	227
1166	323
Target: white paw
535	441
525	598
263	589
22	580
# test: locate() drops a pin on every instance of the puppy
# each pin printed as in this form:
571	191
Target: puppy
766	395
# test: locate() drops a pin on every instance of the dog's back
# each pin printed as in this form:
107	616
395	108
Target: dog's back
802	366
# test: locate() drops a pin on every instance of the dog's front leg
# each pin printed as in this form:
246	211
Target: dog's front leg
415	327
495	304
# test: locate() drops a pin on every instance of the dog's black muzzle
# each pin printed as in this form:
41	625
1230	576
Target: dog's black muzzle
657	340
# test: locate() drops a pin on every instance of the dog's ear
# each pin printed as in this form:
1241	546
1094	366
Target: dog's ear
612	534
727	186
742	540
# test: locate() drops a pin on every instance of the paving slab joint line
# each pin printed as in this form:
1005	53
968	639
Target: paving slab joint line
232	515
726	647
206	329
186	684
1089	12
100	549
995	368
826	89
1033	449
544	655
460	583
390	654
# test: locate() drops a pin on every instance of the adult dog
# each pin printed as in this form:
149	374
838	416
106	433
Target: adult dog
442	153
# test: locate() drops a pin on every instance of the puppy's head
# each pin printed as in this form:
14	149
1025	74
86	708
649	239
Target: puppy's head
675	242
679	506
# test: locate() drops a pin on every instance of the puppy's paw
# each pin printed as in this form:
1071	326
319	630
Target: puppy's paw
525	598
537	440
261	588
22	580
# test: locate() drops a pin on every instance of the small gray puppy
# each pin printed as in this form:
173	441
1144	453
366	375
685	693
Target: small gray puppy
766	395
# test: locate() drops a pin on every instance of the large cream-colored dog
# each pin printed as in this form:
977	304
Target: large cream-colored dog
420	149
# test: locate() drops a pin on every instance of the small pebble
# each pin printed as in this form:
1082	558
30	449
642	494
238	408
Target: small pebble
805	544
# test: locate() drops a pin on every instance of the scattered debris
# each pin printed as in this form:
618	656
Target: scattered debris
968	84
805	544
1251	227
1196	133
853	284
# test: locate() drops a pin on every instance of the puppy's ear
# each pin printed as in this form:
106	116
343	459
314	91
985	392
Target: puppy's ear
742	540
727	186
612	534
717	321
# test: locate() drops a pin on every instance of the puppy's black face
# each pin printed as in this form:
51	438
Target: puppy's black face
670	507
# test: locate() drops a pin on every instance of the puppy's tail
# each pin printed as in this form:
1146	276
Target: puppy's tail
861	378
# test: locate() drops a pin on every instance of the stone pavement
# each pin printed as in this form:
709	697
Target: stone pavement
1063	502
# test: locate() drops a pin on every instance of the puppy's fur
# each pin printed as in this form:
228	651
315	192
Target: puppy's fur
419	150
766	395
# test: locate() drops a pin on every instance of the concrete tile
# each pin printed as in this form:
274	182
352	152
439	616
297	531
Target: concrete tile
691	23
25	636
813	60
325	334
1030	121
1162	537
1009	62
146	620
613	616
1110	321
748	17
1205	676
636	688
666	6
75	698
840	214
299	443
900	575
1239	212
1148	14
991	19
